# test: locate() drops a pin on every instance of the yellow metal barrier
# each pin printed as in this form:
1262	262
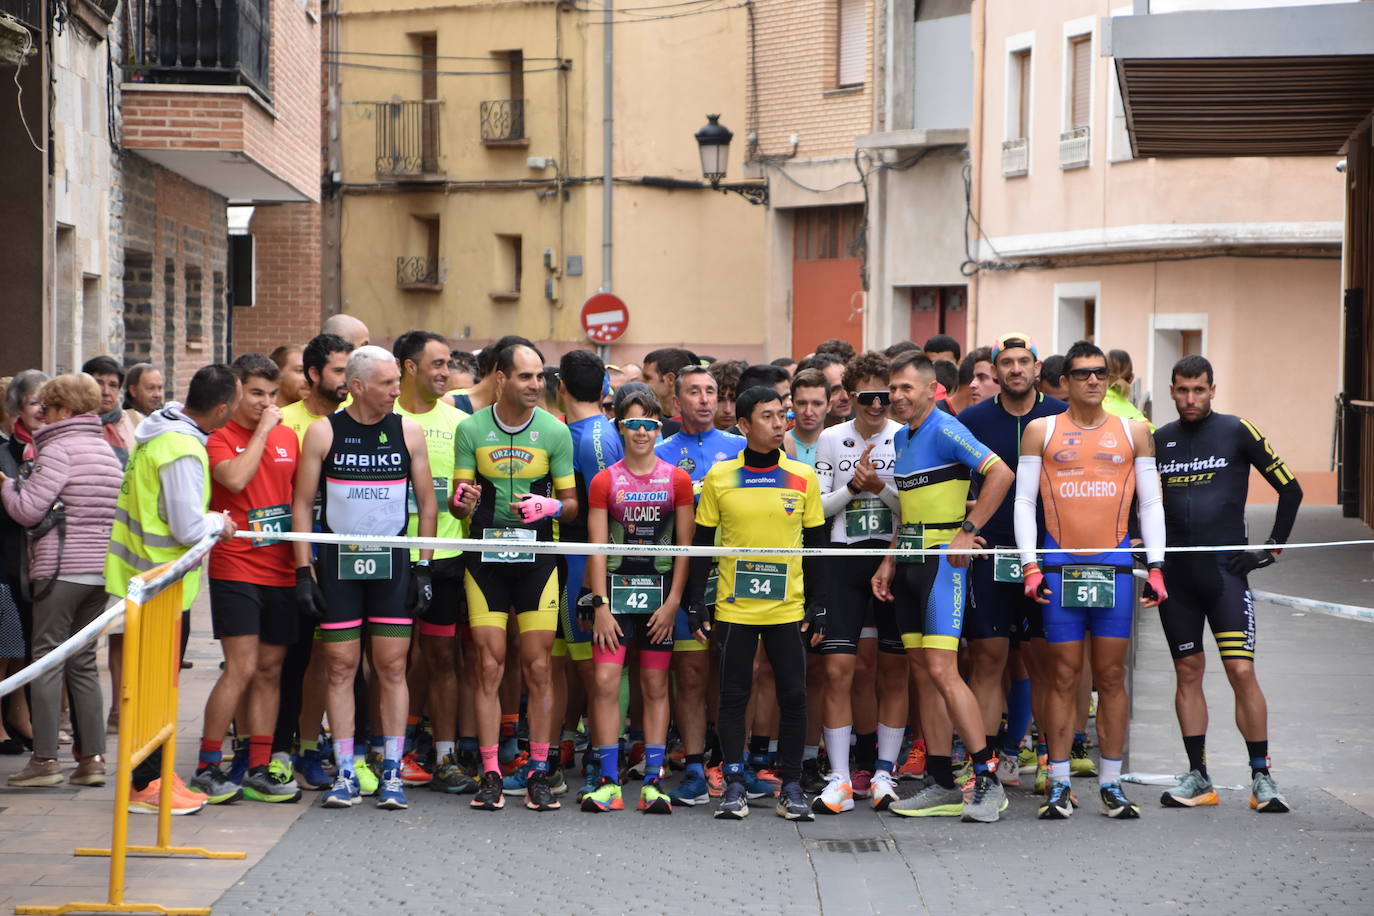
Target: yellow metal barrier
147	721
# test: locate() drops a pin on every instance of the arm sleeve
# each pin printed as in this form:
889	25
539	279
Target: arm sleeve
699	569
1150	496
184	517
816	571
1276	473
1023	509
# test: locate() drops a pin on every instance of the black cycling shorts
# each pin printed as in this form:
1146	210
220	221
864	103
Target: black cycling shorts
851	600
448	607
247	609
349	602
1201	588
998	608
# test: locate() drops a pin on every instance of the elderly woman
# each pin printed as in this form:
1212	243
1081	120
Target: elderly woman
76	475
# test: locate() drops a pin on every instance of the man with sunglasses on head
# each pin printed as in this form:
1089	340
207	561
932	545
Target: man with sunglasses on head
854	463
1084	467
1001	617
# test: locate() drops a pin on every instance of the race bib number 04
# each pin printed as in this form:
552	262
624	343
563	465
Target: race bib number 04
1089	586
268	521
761	581
357	562
1006	567
636	594
507	554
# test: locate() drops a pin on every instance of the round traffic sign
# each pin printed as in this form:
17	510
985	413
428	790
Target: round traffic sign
605	317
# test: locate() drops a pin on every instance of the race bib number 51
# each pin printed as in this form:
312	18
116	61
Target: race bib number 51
1089	586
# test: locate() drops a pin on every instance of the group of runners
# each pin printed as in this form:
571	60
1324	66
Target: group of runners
982	595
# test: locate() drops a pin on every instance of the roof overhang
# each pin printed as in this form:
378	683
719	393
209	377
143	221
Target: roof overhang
1284	81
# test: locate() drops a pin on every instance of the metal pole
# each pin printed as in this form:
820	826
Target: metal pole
607	143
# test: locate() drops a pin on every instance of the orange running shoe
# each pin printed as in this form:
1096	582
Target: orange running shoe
516	764
914	767
769	776
715	781
146	801
413	772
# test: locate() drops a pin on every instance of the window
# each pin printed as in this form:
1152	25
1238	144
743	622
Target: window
1017	105
503	120
421	272
1075	313
826	233
1019	99
1079	101
1075	135
851	44
508	268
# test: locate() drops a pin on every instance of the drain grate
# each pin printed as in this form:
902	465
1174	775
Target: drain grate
868	844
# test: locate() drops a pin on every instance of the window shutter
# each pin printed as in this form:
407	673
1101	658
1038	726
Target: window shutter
851	43
1081	97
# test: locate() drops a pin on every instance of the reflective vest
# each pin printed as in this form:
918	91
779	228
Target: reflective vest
141	539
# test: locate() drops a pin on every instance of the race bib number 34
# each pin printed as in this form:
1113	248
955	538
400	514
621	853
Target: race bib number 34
1089	586
356	562
763	581
636	594
507	554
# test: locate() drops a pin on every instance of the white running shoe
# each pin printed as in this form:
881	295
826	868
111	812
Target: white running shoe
837	796
884	790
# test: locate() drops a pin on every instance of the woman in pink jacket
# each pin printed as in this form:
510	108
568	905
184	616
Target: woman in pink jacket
75	473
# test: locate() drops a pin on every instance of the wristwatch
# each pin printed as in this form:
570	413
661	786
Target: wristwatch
599	601
969	528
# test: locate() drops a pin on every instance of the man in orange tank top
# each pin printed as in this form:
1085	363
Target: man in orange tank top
1084	467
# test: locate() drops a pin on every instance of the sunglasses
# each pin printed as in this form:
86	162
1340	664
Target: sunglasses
869	398
1081	375
642	424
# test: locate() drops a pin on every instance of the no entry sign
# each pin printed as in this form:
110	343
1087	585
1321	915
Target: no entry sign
605	318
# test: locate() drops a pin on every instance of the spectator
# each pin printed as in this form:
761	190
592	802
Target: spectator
117	424
291	386
942	346
143	391
1052	378
66	569
12	644
1120	376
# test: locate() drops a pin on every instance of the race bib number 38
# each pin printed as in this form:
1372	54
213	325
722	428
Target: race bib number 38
1089	586
508	554
763	581
357	562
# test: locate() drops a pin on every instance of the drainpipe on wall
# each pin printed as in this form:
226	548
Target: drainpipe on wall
979	39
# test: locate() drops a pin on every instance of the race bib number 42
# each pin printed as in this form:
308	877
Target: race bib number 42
1089	586
763	581
636	594
357	562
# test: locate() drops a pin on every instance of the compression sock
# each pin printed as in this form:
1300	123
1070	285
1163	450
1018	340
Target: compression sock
836	744
211	753
758	751
889	746
443	749
941	770
983	763
1059	771
1109	772
1018	715
653	761
392	746
865	751
490	761
343	756
1196	746
509	723
539	756
468	744
259	751
412	732
1259	756
993	741
608	758
696	765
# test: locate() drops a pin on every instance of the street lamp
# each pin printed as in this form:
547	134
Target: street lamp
713	142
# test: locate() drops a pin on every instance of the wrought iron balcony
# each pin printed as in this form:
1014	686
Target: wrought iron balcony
408	138
28	12
422	274
1075	148
1015	157
503	122
219	42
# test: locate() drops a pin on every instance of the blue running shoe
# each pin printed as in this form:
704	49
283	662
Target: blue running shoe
516	783
391	795
591	781
692	791
310	772
757	788
734	805
344	794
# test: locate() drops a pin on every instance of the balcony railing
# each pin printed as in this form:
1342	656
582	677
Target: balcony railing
1015	157
420	273
1075	148
503	121
26	11
408	138
216	42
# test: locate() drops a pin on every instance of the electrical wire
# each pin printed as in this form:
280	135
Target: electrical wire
420	70
631	20
337	53
19	93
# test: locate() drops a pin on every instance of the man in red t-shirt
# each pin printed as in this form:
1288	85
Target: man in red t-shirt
252	588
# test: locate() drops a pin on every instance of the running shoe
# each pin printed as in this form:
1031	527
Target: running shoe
557	784
964	777
516	783
1008	770
606	797
1080	764
1265	796
591	778
636	760
957	752
392	796
216	786
516	764
468	763
884	791
756	787
450	777
715	780
693	790
344	794
676	755
147	800
367	778
653	800
813	781
1042	774
835	798
932	801
914	767
792	803
1193	790
309	771
507	753
734	802
988	801
539	796
1057	806
261	785
862	781
567	755
90	771
1026	759
413	772
1116	805
281	771
770	776
489	796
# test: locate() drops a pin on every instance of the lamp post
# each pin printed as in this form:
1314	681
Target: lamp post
713	143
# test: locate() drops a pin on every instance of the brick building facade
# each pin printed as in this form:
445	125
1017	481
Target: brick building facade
286	305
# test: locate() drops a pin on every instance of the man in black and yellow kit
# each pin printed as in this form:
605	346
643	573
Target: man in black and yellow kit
761	498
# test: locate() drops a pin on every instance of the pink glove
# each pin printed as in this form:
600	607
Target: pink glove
1034	581
533	508
1154	586
458	494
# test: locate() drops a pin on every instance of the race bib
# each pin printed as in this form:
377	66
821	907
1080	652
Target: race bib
267	522
440	494
762	581
1006	567
507	555
636	594
709	596
358	562
1089	586
867	518
911	537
